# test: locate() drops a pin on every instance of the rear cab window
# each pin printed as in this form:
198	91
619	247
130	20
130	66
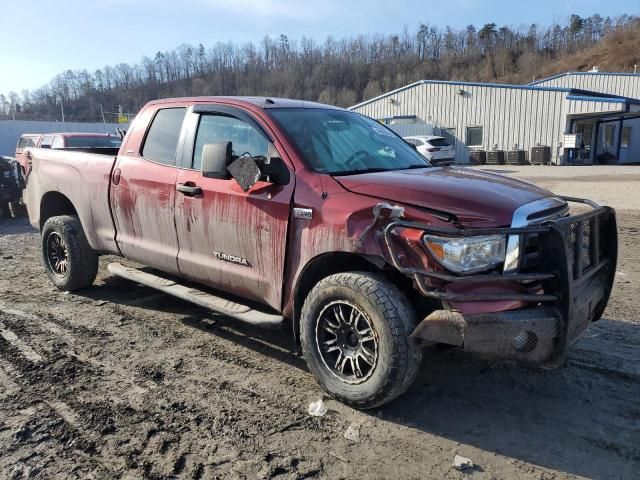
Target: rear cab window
162	138
58	142
86	141
46	142
27	142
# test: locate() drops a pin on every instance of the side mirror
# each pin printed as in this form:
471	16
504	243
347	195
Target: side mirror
276	171
216	157
247	171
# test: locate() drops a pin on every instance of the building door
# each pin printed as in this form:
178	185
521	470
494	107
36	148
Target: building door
587	129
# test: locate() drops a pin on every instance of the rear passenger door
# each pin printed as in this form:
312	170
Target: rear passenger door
144	191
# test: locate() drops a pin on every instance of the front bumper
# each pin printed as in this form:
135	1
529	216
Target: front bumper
569	288
529	335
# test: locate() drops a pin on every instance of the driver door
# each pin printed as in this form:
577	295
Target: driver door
229	239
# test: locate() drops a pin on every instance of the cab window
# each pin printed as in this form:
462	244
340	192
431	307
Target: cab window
46	141
244	138
162	139
58	142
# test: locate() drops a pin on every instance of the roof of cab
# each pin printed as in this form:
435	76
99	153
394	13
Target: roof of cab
83	134
262	102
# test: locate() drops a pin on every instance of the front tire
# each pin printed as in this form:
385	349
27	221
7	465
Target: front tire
354	331
69	260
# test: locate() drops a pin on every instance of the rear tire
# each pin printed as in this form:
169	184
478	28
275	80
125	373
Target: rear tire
69	260
368	359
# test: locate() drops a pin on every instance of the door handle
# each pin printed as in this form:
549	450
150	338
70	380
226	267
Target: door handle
189	190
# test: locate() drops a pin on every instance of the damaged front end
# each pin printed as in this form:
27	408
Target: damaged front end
533	310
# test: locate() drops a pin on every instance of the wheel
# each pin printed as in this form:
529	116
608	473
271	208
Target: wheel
70	262
6	211
354	330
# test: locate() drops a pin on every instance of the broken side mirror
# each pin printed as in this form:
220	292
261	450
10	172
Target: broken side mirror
216	158
248	170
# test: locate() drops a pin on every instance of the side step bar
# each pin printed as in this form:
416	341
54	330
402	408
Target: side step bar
199	297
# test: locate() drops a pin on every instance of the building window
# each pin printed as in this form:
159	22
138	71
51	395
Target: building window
626	137
474	136
609	131
450	135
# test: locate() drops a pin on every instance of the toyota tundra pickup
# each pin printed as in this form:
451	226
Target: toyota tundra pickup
277	211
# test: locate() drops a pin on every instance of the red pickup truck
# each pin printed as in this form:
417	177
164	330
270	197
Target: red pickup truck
269	210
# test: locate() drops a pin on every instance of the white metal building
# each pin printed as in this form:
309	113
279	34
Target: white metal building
623	84
490	117
614	137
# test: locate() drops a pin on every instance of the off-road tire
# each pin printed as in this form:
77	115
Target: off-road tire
393	319
82	259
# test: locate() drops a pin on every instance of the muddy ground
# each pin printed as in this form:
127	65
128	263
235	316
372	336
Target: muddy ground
121	382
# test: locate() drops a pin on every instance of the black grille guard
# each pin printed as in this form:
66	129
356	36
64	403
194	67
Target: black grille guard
565	265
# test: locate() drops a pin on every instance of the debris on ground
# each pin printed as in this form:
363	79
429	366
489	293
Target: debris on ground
317	408
462	463
353	433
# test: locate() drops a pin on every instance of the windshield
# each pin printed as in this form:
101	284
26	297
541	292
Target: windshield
341	143
93	142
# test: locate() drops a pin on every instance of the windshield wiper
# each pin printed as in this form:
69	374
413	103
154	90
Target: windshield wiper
360	170
411	167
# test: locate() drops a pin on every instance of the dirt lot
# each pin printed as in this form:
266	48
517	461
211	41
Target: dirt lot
121	382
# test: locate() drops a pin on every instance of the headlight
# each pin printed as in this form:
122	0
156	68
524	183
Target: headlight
467	255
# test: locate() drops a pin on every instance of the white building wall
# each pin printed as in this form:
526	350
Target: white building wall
10	130
623	84
509	116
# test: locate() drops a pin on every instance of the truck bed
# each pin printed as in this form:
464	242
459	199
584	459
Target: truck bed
74	176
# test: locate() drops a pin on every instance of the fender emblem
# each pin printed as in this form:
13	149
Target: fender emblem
304	213
231	258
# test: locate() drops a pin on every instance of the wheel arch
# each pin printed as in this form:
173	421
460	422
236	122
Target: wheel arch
321	267
54	203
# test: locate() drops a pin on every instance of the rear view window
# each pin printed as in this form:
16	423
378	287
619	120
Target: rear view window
26	142
439	142
94	142
46	141
162	139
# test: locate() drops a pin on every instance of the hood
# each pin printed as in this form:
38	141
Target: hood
475	197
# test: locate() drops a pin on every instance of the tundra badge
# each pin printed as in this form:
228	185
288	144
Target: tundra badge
231	258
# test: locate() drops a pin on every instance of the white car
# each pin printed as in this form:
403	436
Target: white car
435	149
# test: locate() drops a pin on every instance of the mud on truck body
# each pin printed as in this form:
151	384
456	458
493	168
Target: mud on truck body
273	210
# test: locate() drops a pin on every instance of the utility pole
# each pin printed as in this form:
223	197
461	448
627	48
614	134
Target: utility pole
102	113
62	109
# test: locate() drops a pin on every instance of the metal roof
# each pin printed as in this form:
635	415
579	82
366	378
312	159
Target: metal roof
573	93
565	74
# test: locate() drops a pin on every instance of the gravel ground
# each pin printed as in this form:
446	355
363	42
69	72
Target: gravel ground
119	381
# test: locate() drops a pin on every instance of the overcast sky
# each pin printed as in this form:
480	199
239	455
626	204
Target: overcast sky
41	38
